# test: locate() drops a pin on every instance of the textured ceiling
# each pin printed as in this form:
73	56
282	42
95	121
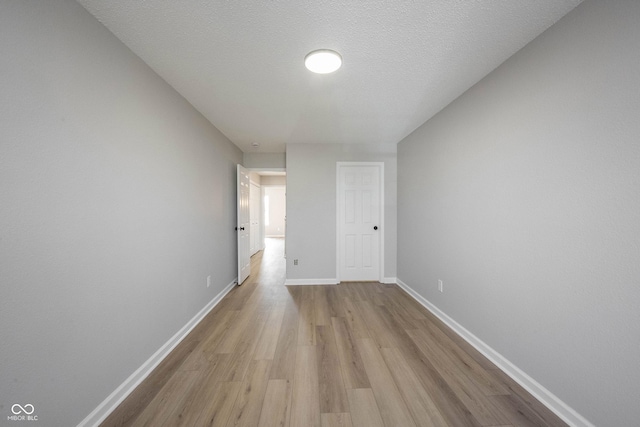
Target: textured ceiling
240	63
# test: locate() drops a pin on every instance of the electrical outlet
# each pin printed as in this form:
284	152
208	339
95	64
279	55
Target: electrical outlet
295	262
440	286
208	281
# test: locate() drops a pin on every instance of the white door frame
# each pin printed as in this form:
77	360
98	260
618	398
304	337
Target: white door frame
382	228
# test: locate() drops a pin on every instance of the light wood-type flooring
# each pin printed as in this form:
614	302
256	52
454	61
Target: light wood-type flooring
355	354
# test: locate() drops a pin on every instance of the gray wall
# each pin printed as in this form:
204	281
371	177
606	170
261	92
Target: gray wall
117	201
264	161
273	180
523	196
311	205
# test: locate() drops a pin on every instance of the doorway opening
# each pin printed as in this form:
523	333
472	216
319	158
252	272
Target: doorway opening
275	211
267	212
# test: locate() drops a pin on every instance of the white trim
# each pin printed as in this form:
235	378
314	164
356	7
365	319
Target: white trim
390	280
551	401
108	405
297	282
381	258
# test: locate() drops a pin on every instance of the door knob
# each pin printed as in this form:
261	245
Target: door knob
375	227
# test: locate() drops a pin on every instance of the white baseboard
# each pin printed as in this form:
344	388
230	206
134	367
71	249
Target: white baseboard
390	280
298	282
111	403
551	401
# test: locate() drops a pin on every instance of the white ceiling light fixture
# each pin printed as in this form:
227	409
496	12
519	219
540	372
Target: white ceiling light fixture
323	61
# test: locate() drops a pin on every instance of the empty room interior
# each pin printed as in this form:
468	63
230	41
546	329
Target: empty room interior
200	228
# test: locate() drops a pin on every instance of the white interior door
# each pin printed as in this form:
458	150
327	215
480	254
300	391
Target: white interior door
254	217
244	255
359	221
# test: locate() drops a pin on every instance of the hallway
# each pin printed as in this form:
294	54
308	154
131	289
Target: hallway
356	354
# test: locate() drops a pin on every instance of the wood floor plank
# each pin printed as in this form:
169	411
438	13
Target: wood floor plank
321	306
403	299
363	408
203	329
359	293
217	410
401	315
276	408
240	295
275	355
266	347
449	405
245	349
525	398
168	400
208	396
374	292
284	359
305	406
248	404
353	372
460	342
473	398
217	368
196	361
518	412
233	335
245	322
207	405
423	409
262	299
333	395
354	319
306	319
143	395
219	329
336	420
379	331
393	410
334	300
464	362
393	326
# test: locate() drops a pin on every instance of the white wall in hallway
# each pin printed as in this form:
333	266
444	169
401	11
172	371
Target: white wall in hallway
311	205
523	196
117	201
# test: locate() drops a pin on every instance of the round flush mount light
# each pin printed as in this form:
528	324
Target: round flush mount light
323	61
